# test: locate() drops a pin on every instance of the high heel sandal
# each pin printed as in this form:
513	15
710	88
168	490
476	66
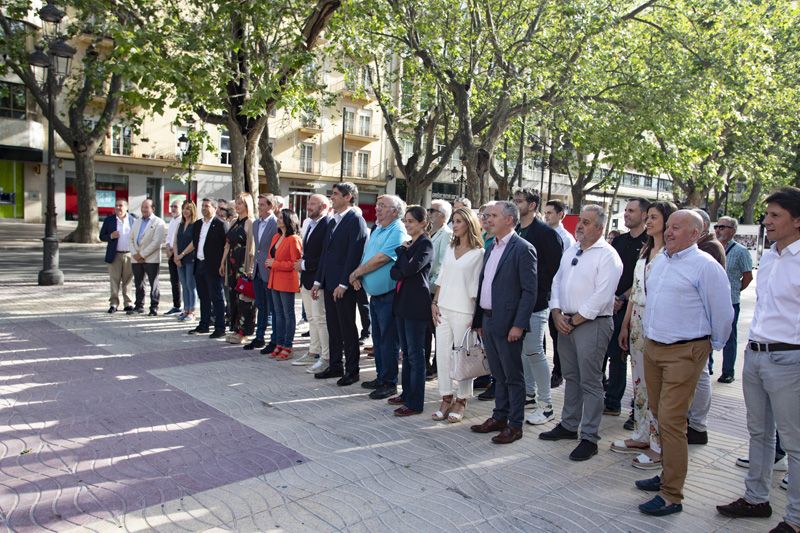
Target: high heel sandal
284	354
456	413
444	408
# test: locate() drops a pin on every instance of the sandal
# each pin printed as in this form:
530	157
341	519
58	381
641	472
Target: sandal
284	354
629	446
444	408
276	352
648	460
456	413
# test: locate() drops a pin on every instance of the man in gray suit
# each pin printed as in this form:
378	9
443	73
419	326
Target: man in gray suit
506	296
264	229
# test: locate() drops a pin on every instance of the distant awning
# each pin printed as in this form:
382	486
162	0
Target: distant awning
20	153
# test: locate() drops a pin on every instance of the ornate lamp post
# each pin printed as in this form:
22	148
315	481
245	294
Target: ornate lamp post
185	144
459	178
53	67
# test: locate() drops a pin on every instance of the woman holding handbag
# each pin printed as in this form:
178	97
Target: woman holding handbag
452	308
239	253
412	309
285	250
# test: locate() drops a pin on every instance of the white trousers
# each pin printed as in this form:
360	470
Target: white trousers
450	330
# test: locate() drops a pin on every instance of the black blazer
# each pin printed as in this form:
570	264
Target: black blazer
342	251
413	299
214	245
109	227
549	248
312	251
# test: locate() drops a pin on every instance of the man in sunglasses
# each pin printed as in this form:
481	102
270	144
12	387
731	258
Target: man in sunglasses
582	305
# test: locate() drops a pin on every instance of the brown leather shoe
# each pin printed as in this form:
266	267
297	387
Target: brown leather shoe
508	435
490	425
395	400
405	411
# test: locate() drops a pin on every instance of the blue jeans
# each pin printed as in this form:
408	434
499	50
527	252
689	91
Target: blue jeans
412	340
188	286
384	337
534	361
285	322
729	352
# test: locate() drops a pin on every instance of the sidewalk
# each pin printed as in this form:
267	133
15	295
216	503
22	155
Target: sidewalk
113	423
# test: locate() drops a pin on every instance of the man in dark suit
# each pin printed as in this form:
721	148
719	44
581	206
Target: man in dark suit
344	245
264	228
116	231
506	296
209	240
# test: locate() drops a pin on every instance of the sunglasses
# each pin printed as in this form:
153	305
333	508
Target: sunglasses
577	255
721	226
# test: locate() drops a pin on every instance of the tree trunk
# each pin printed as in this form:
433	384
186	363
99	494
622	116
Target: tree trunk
269	164
716	204
88	228
749	205
238	150
577	196
415	192
251	162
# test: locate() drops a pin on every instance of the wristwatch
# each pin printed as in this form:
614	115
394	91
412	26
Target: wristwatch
569	321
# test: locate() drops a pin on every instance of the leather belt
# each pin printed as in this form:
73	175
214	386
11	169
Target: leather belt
687	341
772	347
486	312
123	252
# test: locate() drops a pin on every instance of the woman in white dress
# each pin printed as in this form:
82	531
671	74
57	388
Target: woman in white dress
453	307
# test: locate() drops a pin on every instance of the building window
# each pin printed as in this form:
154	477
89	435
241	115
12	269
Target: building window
365	125
407	148
225	147
349	120
310	119
12	100
347	163
121	140
307	158
648	182
630	180
363	165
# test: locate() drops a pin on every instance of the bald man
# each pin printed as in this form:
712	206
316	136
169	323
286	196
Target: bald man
146	239
688	312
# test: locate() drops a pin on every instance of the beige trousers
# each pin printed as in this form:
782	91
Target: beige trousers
120	272
317	324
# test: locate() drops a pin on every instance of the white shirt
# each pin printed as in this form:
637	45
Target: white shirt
172	229
777	313
124	229
588	286
688	297
567	239
458	280
201	242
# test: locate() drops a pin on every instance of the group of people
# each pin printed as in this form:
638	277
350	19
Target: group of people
666	293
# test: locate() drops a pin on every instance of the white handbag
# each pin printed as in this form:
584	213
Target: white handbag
469	359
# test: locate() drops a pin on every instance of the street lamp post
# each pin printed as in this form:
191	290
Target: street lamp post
185	144
53	66
460	180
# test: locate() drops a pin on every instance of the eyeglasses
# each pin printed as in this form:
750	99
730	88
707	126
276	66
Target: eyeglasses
721	226
577	255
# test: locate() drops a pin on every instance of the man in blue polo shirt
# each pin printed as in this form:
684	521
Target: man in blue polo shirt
373	275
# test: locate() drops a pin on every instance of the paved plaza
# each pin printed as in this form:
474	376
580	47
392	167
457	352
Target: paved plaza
115	422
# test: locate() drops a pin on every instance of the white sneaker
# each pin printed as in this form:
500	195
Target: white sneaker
781	465
785	482
541	415
307	359
320	366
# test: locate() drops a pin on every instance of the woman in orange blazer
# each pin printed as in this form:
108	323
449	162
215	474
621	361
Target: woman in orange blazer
285	251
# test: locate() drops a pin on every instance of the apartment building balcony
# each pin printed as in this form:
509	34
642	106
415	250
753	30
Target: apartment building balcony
361	137
357	92
309	130
25	134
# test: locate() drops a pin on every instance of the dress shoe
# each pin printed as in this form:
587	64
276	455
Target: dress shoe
173	311
482	382
127	308
383	392
696	437
782	527
490	425
329	373
405	411
725	379
584	451
741	508
652	484
138	310
347	379
507	435
488	394
607	411
396	400
197	331
112	309
559	433
217	334
152	312
374	384
306	334
254	344
556	380
659	507
130	311
268	349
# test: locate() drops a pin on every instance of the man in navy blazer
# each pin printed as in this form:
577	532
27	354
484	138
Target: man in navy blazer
264	228
116	231
341	254
506	296
208	239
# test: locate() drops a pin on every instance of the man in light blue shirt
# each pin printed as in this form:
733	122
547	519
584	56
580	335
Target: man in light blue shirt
688	312
373	275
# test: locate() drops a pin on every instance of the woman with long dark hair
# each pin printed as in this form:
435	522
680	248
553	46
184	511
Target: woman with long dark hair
645	440
412	309
285	250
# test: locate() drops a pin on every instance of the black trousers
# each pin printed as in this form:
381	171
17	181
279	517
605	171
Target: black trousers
175	281
140	270
342	331
554	335
363	311
209	289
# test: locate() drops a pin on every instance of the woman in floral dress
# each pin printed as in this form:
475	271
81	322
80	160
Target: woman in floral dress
644	441
238	256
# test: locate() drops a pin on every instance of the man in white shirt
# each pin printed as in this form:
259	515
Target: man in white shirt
771	376
116	231
582	305
174	281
